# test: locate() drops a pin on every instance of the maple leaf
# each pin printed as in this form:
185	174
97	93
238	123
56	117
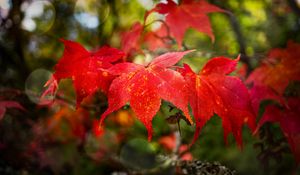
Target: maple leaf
130	41
212	91
189	14
9	104
73	120
144	87
289	120
52	86
279	68
85	68
258	93
157	39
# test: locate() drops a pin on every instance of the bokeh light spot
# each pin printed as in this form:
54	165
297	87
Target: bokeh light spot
34	86
39	16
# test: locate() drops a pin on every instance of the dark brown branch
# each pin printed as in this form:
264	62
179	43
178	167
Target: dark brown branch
240	39
238	34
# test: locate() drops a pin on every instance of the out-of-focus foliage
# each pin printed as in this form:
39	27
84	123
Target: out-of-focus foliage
57	139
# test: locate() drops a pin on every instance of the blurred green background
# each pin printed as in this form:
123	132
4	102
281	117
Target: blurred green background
45	140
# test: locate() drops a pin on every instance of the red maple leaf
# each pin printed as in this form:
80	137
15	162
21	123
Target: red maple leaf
289	120
258	93
188	14
85	68
8	104
144	87
279	68
130	41
157	39
212	91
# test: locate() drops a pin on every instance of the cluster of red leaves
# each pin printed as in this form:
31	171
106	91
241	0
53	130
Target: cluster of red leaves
269	82
211	91
179	18
188	14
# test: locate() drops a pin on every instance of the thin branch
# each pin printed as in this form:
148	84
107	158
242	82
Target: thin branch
163	22
238	34
240	39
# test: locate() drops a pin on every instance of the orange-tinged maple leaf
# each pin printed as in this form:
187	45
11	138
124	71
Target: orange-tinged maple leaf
212	91
144	87
75	120
188	14
279	68
85	68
